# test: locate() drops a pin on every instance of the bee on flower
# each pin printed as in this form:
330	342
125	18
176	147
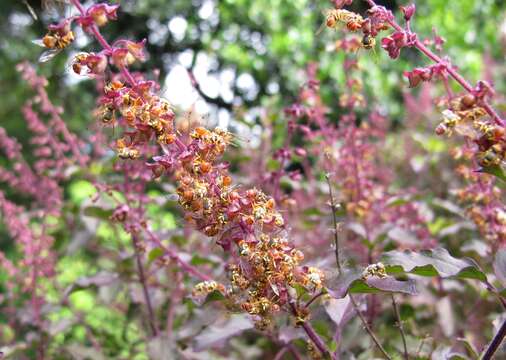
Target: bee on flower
377	269
352	20
58	37
126	151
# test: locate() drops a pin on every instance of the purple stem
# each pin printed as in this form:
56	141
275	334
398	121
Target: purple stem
317	341
496	342
280	353
142	279
173	255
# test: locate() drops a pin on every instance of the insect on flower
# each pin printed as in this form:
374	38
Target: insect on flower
107	114
125	151
352	20
368	42
58	38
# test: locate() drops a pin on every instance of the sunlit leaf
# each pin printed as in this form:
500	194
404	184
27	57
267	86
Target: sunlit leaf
353	282
98	212
155	254
495	170
437	262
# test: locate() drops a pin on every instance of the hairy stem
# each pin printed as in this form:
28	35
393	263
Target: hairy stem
317	341
333	207
281	353
401	328
142	279
315	297
368	328
294	352
354	303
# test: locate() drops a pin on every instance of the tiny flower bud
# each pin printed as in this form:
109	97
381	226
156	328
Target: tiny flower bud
408	11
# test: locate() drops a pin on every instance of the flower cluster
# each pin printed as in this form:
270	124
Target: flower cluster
265	266
466	117
148	114
420	74
482	197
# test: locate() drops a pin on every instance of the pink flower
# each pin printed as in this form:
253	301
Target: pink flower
418	75
408	11
483	89
128	53
99	15
394	43
94	63
62	28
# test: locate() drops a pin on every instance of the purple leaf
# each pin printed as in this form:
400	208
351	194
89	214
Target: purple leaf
223	329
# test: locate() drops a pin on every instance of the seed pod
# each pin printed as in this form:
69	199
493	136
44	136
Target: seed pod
468	101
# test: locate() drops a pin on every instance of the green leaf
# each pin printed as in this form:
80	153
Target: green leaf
98	212
81	190
353	282
495	170
437	262
155	254
214	296
200	260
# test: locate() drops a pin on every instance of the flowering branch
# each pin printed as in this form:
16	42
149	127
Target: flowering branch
352	299
265	266
406	33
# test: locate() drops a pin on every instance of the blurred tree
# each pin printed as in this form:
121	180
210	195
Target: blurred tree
243	52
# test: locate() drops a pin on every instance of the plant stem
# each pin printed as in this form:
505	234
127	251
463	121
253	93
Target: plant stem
280	353
317	341
335	224
399	324
142	278
174	256
495	343
314	298
294	352
368	328
354	303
